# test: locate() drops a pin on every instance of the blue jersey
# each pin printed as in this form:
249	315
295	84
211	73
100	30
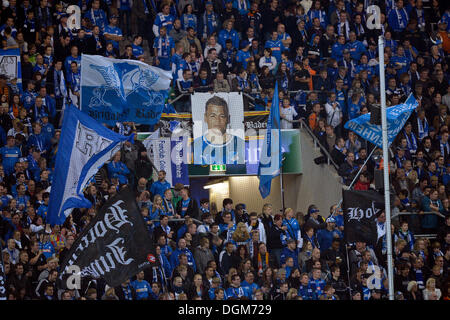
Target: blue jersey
293	228
174	261
225	35
249	288
277	47
28	99
398	19
74	80
307	292
356	49
188	20
288	253
325	238
49	130
243	57
361	67
137	50
391	44
113	31
164	46
42	211
401	62
353	110
69	61
159	187
164	21
9	158
97	17
118	170
39	68
210	24
47	249
233	292
340	98
143	290
40	141
318	286
48	60
229	153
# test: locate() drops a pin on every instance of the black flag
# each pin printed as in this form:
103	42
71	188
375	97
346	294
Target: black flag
360	214
114	246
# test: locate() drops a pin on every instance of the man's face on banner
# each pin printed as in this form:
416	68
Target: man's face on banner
217	118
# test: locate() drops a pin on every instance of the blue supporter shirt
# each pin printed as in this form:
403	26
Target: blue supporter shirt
277	47
113	31
164	21
243	58
159	187
356	49
10	156
137	50
225	35
143	289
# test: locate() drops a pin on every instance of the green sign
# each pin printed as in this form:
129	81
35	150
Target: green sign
218	168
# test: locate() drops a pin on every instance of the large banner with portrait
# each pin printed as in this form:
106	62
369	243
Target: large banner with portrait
219	136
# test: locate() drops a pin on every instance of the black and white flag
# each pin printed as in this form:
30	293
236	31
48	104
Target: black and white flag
2	277
360	214
114	246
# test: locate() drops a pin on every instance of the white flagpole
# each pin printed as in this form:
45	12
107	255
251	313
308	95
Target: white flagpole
387	204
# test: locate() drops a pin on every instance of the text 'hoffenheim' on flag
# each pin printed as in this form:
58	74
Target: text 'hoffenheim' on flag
117	90
396	118
270	158
85	145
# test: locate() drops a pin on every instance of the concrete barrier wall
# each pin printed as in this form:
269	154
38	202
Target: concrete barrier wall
318	184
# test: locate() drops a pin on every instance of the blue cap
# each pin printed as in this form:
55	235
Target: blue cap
208	2
245	43
330	220
228	1
43	115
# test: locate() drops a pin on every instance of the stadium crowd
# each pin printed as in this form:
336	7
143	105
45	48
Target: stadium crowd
325	60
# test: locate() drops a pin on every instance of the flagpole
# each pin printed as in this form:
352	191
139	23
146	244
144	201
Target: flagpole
387	200
355	178
282	188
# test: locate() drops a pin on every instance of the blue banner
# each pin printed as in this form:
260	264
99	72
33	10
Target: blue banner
271	155
396	118
180	173
85	145
10	67
117	90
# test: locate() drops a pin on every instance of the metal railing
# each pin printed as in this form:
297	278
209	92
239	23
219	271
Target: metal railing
419	236
318	144
178	220
416	213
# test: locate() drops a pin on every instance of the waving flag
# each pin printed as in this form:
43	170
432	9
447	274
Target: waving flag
115	90
114	246
270	158
396	118
85	145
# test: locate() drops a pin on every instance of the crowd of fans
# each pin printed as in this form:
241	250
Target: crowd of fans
325	60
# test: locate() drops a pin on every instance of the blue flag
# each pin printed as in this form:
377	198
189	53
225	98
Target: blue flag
396	118
271	155
85	145
117	90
